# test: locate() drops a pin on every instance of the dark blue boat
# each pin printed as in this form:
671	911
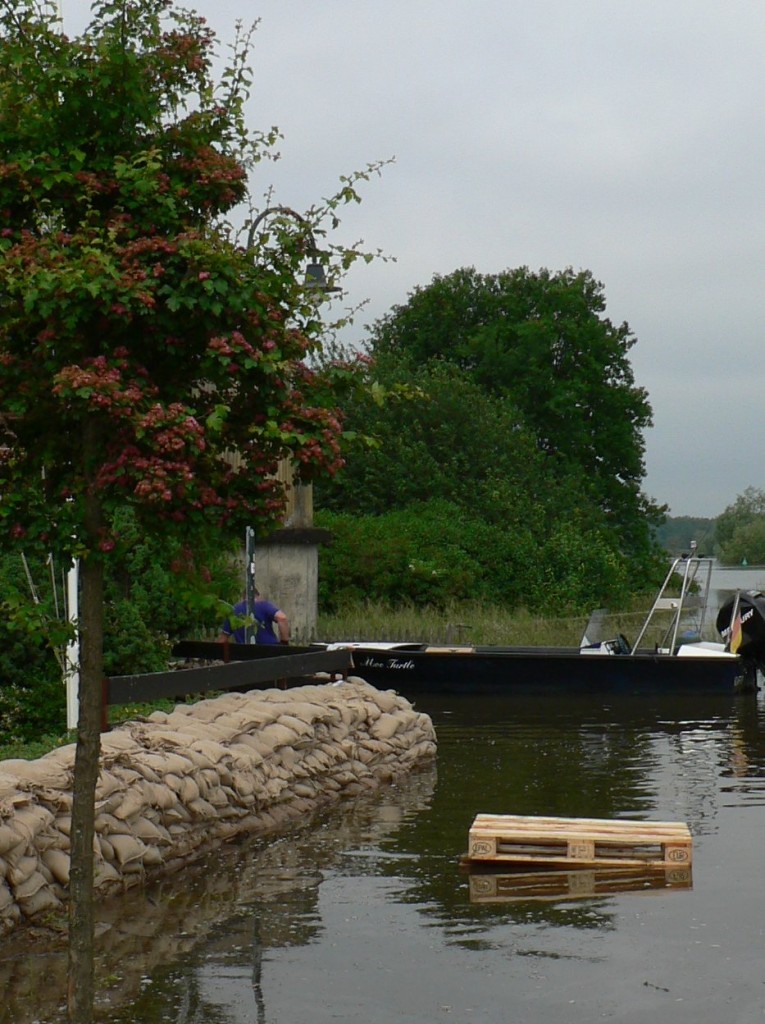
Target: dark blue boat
679	660
422	668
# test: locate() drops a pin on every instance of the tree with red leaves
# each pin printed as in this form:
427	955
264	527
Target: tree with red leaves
140	346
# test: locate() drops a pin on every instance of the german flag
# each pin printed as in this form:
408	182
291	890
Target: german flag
735	634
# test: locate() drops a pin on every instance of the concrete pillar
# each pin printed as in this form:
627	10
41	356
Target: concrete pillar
287	562
287	573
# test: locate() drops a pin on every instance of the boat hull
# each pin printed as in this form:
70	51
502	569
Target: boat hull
414	669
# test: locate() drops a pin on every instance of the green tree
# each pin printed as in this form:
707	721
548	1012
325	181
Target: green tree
746	545
139	344
736	519
541	340
439	437
436	434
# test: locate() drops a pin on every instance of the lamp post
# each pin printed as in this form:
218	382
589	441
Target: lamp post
315	276
286	562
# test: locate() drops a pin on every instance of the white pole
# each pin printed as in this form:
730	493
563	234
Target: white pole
72	654
249	583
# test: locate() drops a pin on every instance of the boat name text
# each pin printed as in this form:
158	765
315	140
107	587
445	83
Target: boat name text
390	663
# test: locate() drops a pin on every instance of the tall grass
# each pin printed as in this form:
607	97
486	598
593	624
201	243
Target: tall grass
474	623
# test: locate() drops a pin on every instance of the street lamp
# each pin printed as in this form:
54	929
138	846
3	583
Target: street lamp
315	276
297	545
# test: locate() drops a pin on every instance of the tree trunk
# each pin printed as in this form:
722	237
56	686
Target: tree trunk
80	994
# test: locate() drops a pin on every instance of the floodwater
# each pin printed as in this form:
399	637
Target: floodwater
366	915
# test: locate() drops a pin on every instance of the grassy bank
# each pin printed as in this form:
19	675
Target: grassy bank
469	624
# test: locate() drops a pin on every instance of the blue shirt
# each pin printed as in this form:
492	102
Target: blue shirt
264	613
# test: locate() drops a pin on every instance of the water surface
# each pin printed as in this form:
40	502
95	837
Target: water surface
366	915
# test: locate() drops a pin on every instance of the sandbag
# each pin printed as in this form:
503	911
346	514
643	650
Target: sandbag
150	832
8	783
386	726
9	839
6	897
208	753
57	862
22	870
43	901
160	795
132	803
274	736
127	849
53	769
28	821
165	761
200	808
30	886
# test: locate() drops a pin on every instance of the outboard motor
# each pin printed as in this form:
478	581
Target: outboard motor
741	624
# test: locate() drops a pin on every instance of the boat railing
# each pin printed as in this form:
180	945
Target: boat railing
694	574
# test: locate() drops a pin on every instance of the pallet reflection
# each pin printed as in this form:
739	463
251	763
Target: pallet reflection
494	887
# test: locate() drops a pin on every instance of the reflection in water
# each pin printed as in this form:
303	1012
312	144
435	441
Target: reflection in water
208	907
509	887
366	915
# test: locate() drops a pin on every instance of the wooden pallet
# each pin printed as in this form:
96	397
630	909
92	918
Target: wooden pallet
579	842
582	883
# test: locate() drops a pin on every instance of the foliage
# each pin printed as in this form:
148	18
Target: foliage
138	343
463	621
436	433
433	553
140	346
740	531
415	554
475	622
156	593
458	458
32	699
36	746
34	705
160	591
541	341
747	545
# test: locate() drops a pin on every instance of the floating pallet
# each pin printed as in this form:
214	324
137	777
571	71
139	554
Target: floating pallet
579	842
582	883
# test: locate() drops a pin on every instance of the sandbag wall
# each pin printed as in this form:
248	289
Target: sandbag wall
175	783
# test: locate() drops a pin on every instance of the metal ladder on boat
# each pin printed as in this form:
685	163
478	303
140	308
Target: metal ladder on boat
695	574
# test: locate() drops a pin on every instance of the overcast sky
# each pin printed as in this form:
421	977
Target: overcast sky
626	137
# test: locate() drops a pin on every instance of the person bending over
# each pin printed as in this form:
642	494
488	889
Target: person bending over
268	621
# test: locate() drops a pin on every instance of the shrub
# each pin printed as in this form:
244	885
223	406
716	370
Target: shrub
433	553
160	592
